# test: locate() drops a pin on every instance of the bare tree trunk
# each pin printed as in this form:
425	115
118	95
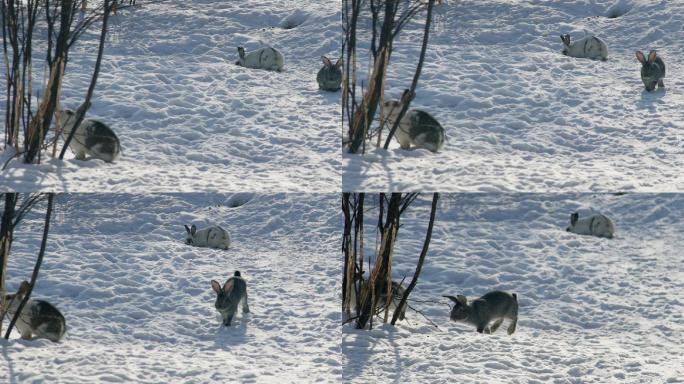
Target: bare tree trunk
36	269
38	126
383	261
421	259
410	94
364	115
6	235
83	108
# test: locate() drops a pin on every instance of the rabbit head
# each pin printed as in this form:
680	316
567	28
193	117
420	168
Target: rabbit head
190	234
461	310
241	56
566	43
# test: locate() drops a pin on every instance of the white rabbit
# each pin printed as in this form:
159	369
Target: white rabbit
595	225
267	58
590	47
38	319
211	237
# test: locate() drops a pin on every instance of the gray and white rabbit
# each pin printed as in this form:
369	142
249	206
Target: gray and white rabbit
595	225
210	237
493	306
417	128
93	138
330	76
227	298
590	47
652	70
267	58
38	319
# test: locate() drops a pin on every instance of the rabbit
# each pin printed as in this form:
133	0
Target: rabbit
652	70
417	128
493	306
211	237
92	138
330	76
381	293
228	297
595	225
590	47
263	58
38	319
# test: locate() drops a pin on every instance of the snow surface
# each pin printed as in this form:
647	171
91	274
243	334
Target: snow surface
139	304
591	310
187	117
520	116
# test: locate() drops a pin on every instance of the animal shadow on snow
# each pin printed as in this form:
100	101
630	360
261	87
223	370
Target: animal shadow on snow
359	360
331	98
650	100
227	337
8	364
6	347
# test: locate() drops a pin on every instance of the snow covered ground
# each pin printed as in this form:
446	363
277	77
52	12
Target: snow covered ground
187	117
139	304
591	310
520	116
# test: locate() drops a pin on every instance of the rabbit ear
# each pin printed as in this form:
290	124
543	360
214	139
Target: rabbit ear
326	61
186	228
216	286
573	218
241	52
193	229
455	300
651	57
338	64
565	39
458	299
640	57
228	286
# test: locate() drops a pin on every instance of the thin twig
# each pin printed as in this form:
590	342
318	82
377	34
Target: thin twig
422	314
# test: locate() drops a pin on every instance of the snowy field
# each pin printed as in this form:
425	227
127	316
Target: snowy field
520	116
591	310
187	117
138	301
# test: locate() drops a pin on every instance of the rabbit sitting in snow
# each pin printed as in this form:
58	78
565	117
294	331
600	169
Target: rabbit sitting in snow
590	47
493	306
417	128
330	76
652	70
38	319
211	237
228	297
263	58
92	138
595	225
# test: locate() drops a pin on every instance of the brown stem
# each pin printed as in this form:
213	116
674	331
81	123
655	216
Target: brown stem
36	268
410	93
421	259
83	108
